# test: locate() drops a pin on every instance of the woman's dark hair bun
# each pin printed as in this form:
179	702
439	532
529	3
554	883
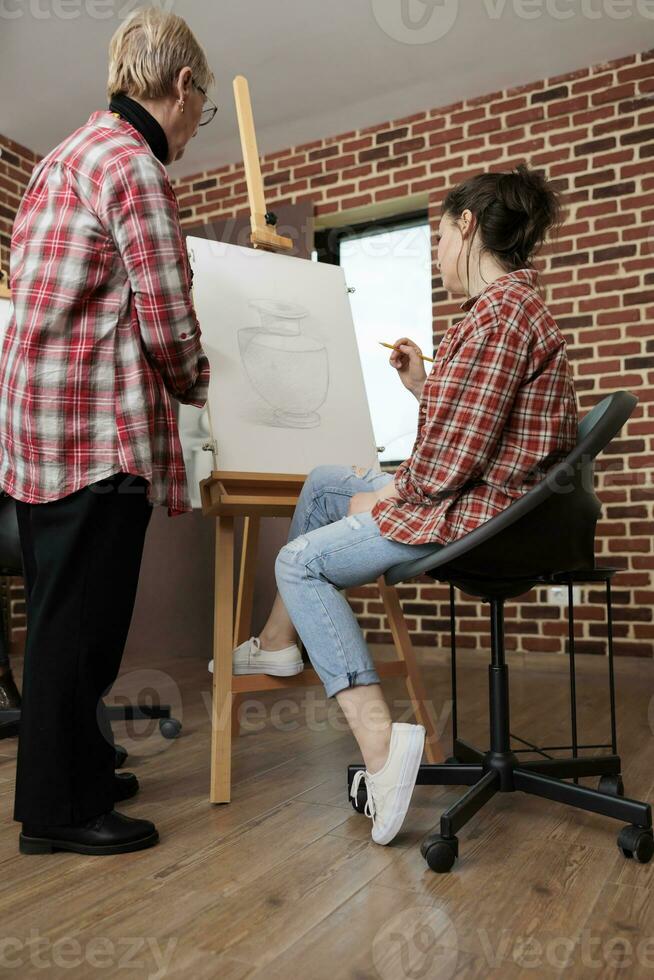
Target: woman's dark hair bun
515	210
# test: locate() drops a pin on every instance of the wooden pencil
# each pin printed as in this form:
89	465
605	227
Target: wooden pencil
391	347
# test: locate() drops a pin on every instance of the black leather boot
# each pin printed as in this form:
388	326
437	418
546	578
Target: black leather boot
126	785
9	700
108	833
9	696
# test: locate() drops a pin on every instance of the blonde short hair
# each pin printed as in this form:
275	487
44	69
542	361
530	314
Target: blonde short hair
148	50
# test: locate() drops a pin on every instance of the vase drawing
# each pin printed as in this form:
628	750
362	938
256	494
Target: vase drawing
286	367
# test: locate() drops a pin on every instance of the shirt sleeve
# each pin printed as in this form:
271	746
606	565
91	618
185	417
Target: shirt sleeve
466	408
139	210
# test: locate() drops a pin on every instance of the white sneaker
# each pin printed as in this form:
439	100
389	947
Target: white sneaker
390	789
249	658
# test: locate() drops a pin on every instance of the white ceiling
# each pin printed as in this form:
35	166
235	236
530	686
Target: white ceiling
315	67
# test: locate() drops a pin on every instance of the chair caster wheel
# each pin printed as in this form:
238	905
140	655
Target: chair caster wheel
362	798
170	727
440	853
612	785
636	842
121	756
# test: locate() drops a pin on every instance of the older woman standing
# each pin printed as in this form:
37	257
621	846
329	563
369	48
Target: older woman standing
103	333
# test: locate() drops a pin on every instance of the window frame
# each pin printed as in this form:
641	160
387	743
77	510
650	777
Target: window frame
327	241
327	245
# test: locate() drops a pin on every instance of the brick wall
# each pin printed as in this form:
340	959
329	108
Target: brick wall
592	131
16	165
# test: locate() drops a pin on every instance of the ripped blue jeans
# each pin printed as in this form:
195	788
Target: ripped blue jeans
328	551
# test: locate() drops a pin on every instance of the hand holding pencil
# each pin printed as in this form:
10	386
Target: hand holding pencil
391	347
408	360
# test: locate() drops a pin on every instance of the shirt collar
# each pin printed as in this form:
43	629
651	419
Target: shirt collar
109	120
143	122
527	276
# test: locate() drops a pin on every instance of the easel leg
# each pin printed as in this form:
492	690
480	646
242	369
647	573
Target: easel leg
223	631
423	706
236	707
245	600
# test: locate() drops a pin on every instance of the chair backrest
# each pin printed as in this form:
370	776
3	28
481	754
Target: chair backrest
551	528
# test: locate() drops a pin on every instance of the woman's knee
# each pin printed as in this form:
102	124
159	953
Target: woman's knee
289	558
327	476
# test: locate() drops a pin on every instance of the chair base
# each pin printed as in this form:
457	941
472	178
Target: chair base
168	726
488	773
499	770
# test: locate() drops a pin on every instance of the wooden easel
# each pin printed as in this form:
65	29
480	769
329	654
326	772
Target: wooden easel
228	495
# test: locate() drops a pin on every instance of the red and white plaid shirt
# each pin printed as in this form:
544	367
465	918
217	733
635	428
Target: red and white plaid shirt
498	410
103	330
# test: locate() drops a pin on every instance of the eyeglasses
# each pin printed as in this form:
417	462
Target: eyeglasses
208	111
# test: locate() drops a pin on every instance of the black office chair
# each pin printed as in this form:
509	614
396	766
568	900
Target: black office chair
546	536
11	563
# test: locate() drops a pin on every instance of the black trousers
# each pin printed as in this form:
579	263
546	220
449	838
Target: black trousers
81	559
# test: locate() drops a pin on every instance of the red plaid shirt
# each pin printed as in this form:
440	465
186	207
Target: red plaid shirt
103	330
498	410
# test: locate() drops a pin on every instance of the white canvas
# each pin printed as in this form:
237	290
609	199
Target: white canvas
287	390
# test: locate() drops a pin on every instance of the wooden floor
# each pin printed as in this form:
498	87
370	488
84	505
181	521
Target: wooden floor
285	882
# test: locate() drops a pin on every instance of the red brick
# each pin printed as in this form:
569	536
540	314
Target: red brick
358	144
508	105
355	172
356	202
446	136
340	190
485	126
408	146
374	182
613	94
340	163
507	136
428	126
392	192
308	170
467	115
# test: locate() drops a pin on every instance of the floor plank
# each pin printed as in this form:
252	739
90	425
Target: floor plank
285	880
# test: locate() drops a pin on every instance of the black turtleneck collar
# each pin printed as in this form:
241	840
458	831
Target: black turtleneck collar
143	121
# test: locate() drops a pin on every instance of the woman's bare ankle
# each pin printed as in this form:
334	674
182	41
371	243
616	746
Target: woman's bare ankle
275	641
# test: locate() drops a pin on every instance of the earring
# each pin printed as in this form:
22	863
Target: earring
180	103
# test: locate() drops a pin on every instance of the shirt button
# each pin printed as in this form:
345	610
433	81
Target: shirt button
183	336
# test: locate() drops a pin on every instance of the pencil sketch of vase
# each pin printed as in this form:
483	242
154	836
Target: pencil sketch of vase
287	368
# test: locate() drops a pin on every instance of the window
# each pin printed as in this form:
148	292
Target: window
388	265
